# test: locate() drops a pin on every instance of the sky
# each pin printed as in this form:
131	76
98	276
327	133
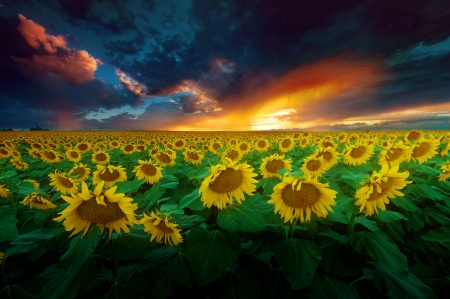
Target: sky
197	65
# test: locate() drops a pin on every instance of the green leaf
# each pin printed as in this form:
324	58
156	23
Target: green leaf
324	287
441	235
8	228
298	259
8	174
381	248
240	285
192	201
267	184
188	221
81	249
128	186
241	217
162	285
211	252
15	291
160	256
389	216
426	191
430	277
435	217
339	260
334	235
275	286
400	285
179	270
371	225
151	196
132	245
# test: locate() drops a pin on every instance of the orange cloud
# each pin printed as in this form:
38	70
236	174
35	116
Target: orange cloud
129	84
76	67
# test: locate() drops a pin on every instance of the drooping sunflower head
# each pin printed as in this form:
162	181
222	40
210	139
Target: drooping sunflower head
80	172
395	154
296	198
161	227
49	156
193	156
4	191
100	157
38	201
34	153
36	185
63	183
329	154
359	153
424	150
227	181
271	164
166	158
314	166
107	209
109	175
148	171
19	164
381	187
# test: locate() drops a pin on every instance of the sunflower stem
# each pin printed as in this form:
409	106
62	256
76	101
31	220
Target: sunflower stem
351	225
292	228
114	261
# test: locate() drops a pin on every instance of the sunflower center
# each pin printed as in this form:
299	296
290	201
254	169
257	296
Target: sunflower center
154	151
73	155
50	155
243	147
326	155
161	226
261	143
37	199
192	156
93	212
3	151
148	169
179	143
36	145
413	136
110	175
164	158
83	146
305	197
358	152
227	181
216	146
79	172
114	143
313	165
65	182
129	147
100	157
233	142
421	150
327	144
232	154
394	154
274	165
385	187
286	143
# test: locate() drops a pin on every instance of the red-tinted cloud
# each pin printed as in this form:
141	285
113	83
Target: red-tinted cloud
74	66
130	84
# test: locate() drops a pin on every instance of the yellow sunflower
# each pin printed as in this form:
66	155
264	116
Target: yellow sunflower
80	172
105	209
329	154
394	154
193	156
160	226
34	153
128	149
424	150
445	172
73	155
109	175
5	153
49	156
445	149
4	192
165	158
100	157
261	145
380	187
358	154
314	166
244	147
63	183
83	147
215	146
233	154
38	201
296	198
36	185
114	144
19	164
415	135
271	164
179	144
148	171
286	144
225	182
153	151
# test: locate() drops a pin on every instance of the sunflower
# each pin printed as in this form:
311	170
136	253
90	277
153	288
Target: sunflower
215	146
153	151
128	149
358	154
63	183
166	158
49	156
329	155
415	135
2	257
83	147
109	175
19	164
114	144
286	145
295	198
261	145
80	172
424	150
445	149
380	187
36	185
73	155
233	154
244	147
314	166
100	157
105	209
16	154
394	154
271	164
4	152
34	153
148	171
38	201
179	144
160	226
445	172
193	156
225	182
4	192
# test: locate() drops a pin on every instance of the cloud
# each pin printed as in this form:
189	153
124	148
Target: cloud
75	66
129	84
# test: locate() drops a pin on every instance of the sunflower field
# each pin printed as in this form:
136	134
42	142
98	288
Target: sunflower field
154	214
